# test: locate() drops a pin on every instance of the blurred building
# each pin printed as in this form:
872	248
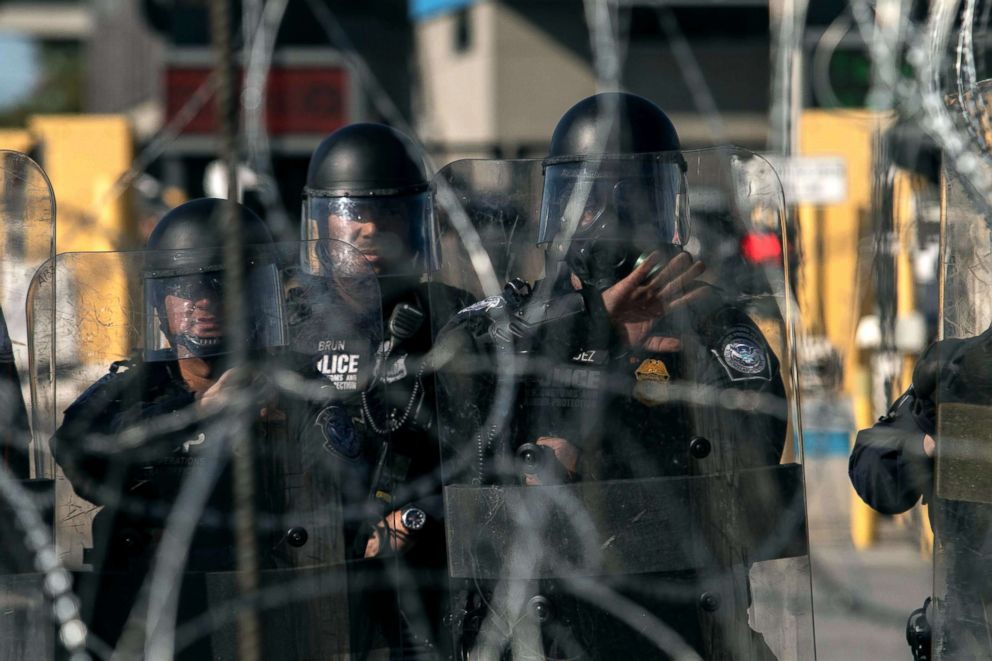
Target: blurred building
471	77
318	64
124	57
41	46
50	20
496	75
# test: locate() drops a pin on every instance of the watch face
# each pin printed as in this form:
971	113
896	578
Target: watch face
414	518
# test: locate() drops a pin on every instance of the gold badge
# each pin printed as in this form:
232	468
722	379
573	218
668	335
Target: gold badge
652	377
652	369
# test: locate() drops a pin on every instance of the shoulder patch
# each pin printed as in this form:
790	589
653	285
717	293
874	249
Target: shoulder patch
340	436
743	354
485	305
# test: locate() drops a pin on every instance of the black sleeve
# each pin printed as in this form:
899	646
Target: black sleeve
888	467
478	358
746	410
443	302
83	445
464	393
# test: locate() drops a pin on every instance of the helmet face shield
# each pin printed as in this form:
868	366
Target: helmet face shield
327	258
184	312
395	232
196	287
641	197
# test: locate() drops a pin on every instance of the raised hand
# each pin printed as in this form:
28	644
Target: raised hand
635	303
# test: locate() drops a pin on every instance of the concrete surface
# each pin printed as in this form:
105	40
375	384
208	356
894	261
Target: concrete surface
861	599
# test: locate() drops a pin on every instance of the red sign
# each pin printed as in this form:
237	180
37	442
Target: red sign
759	248
298	99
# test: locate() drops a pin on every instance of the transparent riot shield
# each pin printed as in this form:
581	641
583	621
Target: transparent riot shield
622	482
27	212
27	209
961	507
207	507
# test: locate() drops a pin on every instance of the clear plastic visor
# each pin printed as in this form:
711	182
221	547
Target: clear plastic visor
185	313
396	233
621	198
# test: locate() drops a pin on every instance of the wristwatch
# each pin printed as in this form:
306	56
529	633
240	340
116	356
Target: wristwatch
413	518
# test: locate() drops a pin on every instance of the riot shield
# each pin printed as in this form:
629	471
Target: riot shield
27	212
27	209
619	484
143	400
961	506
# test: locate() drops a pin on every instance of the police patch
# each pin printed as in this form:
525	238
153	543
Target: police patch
743	354
486	304
339	366
340	436
396	370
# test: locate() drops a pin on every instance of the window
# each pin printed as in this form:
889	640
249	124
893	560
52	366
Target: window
462	37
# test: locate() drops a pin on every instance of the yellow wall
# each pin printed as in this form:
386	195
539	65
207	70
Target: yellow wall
16	140
84	156
850	135
839	286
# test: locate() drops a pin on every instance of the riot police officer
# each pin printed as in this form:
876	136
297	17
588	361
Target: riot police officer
892	468
613	371
891	465
160	420
367	186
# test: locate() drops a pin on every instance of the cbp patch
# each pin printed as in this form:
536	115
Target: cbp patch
340	436
485	305
743	354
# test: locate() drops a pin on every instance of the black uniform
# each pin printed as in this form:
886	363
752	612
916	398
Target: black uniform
888	467
368	186
137	478
385	428
891	472
631	413
138	443
404	402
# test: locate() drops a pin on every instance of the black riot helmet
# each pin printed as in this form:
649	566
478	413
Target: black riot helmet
614	187
184	283
367	185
